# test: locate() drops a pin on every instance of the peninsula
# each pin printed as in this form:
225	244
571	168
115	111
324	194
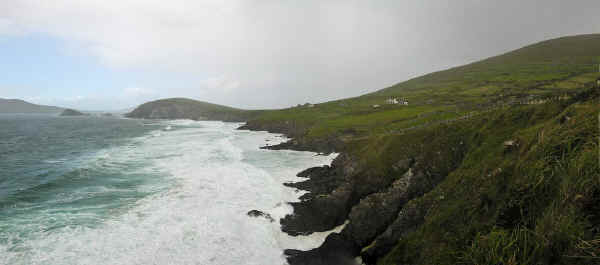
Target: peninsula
21	106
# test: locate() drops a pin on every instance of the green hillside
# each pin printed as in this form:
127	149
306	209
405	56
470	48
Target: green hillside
543	70
20	106
495	162
534	201
183	108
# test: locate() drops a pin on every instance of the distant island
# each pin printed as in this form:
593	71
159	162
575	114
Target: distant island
183	108
21	106
72	112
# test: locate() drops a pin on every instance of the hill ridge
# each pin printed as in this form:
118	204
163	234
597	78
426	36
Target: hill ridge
186	108
22	106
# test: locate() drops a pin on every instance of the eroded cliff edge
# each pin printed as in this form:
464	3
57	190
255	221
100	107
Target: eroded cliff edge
354	189
408	196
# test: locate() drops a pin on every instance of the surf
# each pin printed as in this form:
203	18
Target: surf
195	182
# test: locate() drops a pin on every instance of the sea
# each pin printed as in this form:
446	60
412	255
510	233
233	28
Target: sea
91	190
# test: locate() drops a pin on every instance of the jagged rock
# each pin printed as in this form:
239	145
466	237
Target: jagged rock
257	213
335	251
372	215
318	214
320	180
407	221
368	219
330	198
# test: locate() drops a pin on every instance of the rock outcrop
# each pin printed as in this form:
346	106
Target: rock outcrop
351	189
257	213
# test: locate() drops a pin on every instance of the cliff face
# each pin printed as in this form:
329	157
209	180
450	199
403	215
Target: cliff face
180	108
424	196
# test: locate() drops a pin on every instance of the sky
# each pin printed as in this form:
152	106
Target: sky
117	54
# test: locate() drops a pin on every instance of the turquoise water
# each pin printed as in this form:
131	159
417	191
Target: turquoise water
55	172
88	190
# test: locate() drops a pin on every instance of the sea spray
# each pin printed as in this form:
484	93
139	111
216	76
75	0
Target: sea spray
192	186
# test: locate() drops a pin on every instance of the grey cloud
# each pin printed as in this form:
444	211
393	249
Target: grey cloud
270	53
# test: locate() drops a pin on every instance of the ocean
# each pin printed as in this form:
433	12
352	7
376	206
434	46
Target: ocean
89	190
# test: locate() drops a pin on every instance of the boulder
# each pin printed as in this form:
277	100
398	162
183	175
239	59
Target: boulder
257	213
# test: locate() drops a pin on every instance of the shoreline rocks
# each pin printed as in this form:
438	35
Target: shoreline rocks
373	203
257	213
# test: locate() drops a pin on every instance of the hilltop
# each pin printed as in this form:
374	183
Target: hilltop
21	106
183	108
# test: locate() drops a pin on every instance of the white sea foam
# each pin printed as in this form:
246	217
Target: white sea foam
214	175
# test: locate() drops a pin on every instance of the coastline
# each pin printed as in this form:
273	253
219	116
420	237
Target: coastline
326	205
315	212
383	188
375	205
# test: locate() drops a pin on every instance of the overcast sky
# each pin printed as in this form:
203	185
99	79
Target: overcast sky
115	54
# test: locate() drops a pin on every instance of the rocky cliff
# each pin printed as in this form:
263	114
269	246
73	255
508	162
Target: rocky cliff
393	190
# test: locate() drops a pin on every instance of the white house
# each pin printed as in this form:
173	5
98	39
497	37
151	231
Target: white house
392	101
403	101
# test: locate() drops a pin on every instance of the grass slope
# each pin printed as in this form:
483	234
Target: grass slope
20	106
183	108
543	70
535	202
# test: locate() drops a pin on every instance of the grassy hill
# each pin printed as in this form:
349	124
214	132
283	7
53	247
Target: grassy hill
495	162
182	108
20	106
543	70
